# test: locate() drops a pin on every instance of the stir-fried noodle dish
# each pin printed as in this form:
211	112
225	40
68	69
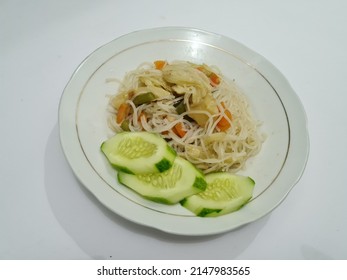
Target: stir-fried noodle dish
203	116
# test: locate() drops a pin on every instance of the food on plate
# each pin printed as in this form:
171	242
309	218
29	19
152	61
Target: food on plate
182	131
202	116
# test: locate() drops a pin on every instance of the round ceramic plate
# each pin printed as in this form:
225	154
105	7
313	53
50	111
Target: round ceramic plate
83	125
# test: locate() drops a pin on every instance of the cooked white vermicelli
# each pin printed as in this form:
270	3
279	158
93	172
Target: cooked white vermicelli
210	138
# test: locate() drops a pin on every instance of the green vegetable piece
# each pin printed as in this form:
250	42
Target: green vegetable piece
169	187
138	152
181	108
125	125
143	98
225	193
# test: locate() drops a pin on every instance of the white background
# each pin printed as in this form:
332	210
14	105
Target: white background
45	213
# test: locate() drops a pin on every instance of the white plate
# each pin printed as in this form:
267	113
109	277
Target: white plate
83	126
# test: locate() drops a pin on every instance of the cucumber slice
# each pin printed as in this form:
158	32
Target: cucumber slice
224	194
169	187
138	152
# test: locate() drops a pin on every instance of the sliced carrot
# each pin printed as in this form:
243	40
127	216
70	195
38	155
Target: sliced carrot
215	80
201	68
139	118
224	123
204	70
131	94
159	64
123	112
178	129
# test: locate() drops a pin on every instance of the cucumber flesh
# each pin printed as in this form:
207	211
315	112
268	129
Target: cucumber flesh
138	152
168	187
225	193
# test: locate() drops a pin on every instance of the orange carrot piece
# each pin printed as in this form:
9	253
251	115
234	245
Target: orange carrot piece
159	64
224	123
201	68
215	80
179	130
123	112
139	118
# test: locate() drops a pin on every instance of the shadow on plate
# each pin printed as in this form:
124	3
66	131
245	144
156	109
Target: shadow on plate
102	234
